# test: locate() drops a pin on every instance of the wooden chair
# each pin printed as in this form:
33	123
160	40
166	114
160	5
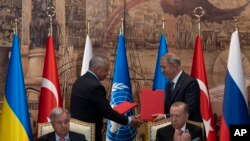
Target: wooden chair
85	128
152	128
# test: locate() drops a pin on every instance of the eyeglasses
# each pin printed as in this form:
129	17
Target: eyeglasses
65	122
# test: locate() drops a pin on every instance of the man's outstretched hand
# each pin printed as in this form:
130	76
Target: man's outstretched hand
136	122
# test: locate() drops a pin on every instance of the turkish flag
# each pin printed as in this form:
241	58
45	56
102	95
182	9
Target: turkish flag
199	72
50	96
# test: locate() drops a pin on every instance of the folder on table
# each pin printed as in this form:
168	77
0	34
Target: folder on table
124	107
152	102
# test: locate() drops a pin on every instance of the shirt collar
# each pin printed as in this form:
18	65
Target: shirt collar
177	77
183	129
93	74
66	138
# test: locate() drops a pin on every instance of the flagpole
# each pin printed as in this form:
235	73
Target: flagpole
235	24
88	30
15	28
121	28
51	13
124	18
199	12
163	25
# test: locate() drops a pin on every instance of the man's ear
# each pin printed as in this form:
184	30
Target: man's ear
95	69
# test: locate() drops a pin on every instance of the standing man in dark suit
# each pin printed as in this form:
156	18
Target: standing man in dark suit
88	98
180	129
60	119
181	87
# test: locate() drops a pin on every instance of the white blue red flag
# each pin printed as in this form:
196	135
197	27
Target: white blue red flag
235	107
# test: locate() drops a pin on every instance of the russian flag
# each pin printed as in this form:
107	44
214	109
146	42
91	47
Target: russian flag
235	107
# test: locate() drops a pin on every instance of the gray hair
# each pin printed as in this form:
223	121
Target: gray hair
172	59
98	60
57	112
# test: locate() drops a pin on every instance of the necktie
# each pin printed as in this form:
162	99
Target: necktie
172	89
61	139
180	133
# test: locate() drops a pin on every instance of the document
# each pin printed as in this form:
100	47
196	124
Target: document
152	102
124	107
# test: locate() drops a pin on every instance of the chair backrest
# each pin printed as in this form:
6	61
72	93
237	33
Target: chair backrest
200	124
85	128
152	128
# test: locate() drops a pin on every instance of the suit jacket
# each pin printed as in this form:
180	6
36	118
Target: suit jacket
89	103
186	90
167	133
72	136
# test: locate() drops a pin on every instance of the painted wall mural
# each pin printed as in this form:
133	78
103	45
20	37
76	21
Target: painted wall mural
143	22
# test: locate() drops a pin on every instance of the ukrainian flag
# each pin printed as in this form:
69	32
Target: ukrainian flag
15	120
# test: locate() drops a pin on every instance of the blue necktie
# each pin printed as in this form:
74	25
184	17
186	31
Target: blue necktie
172	89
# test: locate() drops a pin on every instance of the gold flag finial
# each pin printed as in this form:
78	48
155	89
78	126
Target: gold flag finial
199	12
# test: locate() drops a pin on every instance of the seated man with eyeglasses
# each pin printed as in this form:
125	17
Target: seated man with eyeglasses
60	119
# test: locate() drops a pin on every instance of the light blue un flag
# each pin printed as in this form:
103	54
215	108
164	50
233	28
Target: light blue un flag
121	91
159	78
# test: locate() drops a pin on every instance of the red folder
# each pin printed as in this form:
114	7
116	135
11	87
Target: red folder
152	102
124	107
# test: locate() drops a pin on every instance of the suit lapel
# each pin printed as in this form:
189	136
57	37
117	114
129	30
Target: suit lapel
53	136
178	85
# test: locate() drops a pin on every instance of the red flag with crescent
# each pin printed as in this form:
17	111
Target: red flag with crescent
199	72
50	96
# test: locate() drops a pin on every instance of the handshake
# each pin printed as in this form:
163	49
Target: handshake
136	121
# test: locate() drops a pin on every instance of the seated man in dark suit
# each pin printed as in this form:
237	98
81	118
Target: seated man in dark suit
60	119
180	129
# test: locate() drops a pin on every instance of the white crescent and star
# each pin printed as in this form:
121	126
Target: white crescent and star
207	123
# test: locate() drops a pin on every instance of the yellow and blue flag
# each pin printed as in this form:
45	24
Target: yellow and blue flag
160	79
15	119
